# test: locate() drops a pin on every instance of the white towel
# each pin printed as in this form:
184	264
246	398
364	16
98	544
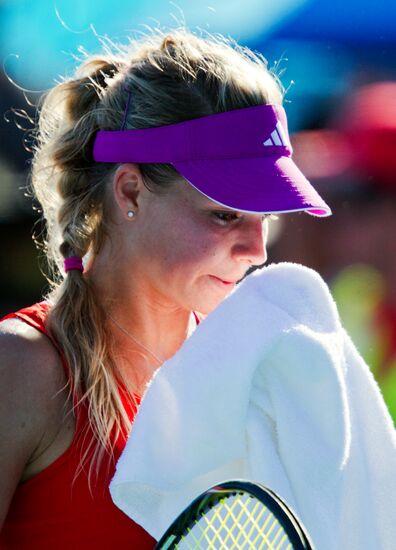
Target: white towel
269	388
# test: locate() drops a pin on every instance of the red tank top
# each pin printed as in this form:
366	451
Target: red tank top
55	509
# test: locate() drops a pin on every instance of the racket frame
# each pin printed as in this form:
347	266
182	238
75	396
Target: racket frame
205	501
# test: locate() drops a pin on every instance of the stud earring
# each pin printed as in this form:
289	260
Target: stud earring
130	214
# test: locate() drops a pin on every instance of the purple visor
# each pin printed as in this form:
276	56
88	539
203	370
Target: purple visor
240	159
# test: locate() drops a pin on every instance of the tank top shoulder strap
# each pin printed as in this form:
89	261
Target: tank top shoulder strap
36	316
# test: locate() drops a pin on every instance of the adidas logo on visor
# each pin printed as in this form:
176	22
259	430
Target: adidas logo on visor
278	137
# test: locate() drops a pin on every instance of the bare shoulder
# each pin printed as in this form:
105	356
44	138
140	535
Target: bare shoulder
31	400
28	359
31	380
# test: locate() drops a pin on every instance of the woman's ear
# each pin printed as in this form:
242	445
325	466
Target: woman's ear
127	187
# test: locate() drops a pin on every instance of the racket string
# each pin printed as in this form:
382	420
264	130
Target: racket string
251	517
229	516
234	524
248	513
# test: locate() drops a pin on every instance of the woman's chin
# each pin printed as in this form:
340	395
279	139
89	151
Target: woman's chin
211	304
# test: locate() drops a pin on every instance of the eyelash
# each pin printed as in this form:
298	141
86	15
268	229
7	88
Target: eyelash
226	217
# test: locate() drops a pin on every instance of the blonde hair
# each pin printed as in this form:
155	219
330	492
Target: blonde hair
168	78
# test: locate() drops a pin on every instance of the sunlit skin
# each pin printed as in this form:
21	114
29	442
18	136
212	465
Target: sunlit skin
181	252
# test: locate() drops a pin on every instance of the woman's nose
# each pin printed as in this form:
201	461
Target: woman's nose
251	242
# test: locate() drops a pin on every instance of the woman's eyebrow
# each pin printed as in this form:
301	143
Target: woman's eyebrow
221	207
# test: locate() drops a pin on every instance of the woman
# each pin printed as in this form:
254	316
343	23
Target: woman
153	168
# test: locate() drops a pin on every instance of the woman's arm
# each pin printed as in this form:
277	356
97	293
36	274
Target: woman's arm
31	405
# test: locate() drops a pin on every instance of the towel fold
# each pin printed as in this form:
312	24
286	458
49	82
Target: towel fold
269	388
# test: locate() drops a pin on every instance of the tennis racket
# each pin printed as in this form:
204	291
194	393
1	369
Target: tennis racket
236	515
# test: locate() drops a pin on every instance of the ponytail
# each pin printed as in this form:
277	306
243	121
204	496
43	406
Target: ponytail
75	228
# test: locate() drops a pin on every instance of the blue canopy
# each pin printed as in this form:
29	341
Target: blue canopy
39	39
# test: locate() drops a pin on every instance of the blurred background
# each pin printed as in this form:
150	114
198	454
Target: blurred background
337	62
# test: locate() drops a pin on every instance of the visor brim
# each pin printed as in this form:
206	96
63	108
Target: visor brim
258	185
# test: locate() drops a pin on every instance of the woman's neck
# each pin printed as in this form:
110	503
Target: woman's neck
148	321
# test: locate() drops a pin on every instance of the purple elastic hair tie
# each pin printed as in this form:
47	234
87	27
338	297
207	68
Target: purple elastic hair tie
73	262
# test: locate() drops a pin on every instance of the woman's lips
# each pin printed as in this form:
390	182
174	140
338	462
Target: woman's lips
226	283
